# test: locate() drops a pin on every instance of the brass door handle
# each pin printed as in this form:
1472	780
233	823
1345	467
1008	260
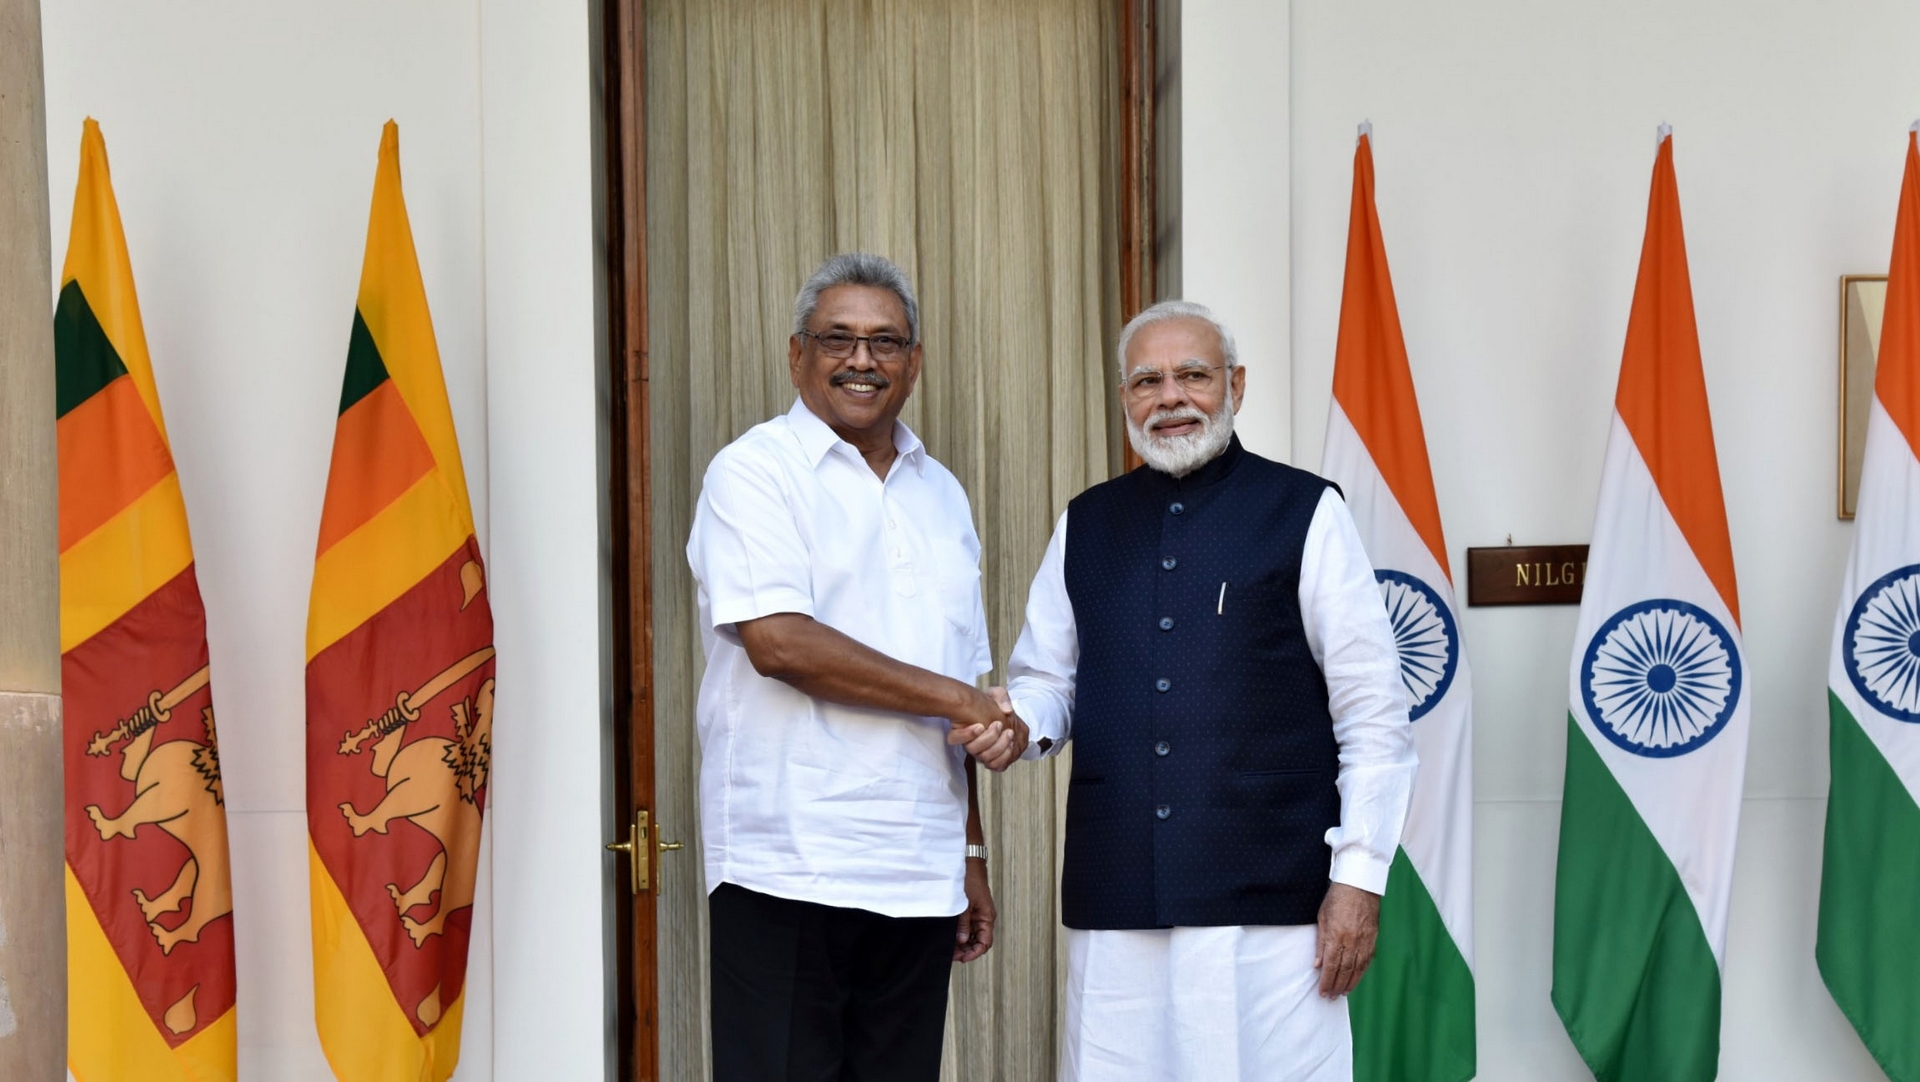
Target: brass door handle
639	864
635	847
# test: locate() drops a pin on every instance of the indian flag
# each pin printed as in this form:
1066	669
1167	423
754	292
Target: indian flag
1869	941
1413	1013
1657	731
150	977
399	687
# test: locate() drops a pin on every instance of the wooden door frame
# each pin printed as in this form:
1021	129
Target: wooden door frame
630	526
630	518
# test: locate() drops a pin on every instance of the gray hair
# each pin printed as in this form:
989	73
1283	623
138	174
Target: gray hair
1166	310
856	269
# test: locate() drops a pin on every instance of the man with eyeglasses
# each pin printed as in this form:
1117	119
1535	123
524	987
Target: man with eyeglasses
840	610
1211	637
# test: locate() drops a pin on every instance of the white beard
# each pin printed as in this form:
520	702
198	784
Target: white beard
1181	455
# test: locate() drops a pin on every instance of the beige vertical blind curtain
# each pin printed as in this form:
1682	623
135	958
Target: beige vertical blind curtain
973	143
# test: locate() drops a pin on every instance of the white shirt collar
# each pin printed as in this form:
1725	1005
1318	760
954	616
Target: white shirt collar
816	438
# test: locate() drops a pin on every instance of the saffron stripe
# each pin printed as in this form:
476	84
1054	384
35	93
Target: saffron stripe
377	455
1662	397
110	454
1371	377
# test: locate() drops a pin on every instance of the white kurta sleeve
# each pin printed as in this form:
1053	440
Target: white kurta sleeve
1041	673
1348	631
745	549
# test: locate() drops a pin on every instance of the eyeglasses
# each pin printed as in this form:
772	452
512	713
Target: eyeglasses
840	344
1193	379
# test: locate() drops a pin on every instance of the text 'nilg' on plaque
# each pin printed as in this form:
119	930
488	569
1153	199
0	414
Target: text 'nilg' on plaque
1526	575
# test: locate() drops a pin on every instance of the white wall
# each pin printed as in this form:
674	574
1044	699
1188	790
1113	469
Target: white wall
243	139
1514	146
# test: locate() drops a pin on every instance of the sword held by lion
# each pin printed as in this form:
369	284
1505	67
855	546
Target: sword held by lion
434	783
177	788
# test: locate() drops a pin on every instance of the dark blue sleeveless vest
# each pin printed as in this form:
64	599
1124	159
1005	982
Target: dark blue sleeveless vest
1203	751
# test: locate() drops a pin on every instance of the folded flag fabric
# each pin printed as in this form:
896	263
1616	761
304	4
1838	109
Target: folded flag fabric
1659	707
1868	946
1413	1012
399	687
150	975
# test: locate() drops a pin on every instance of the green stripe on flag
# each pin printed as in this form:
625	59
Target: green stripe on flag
1634	980
365	369
84	361
1413	1012
1869	942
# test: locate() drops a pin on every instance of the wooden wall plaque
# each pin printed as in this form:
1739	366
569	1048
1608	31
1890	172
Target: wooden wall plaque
1526	575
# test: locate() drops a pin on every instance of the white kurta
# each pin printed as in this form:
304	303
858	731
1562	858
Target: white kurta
1212	1004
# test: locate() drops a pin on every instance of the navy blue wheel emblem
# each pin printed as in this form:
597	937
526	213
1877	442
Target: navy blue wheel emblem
1424	633
1881	645
1660	678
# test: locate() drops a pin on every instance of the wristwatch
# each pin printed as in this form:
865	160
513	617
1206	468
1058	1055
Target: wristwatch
976	852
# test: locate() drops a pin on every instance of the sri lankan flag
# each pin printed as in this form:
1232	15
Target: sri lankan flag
399	687
149	933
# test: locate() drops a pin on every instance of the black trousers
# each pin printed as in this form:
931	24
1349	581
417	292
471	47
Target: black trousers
813	993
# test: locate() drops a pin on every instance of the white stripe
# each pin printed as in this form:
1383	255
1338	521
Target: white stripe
1691	802
1439	833
1886	537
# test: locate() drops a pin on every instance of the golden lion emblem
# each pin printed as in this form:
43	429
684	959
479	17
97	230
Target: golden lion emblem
176	787
433	782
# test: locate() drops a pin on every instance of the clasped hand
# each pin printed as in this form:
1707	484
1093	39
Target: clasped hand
989	729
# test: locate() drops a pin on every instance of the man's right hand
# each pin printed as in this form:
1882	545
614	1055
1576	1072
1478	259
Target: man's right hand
989	729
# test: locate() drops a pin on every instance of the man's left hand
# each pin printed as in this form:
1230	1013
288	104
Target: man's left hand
974	935
1349	927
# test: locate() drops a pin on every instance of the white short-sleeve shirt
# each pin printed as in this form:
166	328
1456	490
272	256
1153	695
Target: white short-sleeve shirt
806	799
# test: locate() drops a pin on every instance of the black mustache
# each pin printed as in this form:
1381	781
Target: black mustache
843	377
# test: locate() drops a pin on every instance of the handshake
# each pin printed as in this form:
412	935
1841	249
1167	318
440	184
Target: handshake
989	729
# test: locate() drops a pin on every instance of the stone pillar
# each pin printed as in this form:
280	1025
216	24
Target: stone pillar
33	940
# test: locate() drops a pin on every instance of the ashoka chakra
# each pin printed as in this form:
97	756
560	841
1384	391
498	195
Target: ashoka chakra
1881	645
1660	678
1424	632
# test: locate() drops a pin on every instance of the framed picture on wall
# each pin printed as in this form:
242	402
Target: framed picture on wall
1863	297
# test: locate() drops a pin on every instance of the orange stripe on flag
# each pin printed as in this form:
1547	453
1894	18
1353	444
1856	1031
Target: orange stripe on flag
377	456
1371	378
110	453
1897	380
1663	391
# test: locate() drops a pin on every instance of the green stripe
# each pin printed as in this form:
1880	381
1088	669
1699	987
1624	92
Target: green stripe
1413	1012
1633	977
1869	941
365	369
84	362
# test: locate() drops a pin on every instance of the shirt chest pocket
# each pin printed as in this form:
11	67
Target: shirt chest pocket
959	593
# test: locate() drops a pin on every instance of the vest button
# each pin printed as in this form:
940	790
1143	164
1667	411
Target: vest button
1162	812
1176	508
1166	623
1169	564
1162	748
1163	684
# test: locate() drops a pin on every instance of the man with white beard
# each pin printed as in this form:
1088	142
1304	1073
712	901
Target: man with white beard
1211	636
